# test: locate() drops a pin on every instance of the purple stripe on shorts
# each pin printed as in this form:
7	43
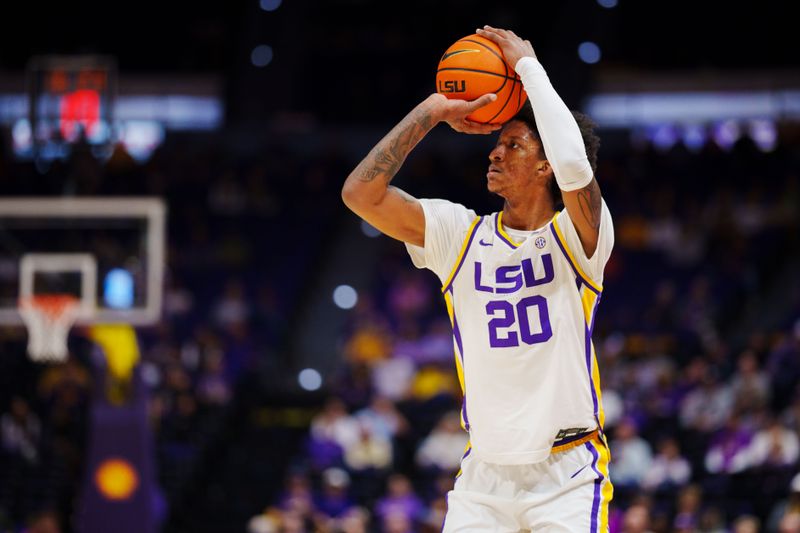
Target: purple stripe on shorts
597	484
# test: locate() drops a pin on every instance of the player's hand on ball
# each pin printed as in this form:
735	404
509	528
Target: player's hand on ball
514	48
454	112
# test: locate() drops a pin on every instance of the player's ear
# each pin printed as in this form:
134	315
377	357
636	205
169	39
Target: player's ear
543	167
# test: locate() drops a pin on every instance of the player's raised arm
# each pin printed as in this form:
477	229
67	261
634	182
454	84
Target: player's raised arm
560	135
367	191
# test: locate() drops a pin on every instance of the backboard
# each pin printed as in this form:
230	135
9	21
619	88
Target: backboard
107	251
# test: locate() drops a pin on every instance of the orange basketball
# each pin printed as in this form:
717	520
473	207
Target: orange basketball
474	66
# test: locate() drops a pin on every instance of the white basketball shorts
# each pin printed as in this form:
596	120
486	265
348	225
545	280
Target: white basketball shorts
568	492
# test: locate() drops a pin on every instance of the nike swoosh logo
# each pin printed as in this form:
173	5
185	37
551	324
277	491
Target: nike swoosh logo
456	52
579	471
484	243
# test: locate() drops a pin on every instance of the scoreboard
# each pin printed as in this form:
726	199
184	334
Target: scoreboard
70	100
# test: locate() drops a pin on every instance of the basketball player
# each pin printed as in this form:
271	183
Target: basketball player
522	287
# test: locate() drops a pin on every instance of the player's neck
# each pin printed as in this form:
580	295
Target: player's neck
527	215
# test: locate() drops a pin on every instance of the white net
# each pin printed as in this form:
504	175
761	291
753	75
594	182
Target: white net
48	319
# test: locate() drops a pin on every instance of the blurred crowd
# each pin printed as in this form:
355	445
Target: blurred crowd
699	372
231	275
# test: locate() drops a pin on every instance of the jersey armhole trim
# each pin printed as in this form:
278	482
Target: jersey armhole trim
562	243
463	253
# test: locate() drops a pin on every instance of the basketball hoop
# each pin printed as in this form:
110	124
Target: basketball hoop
48	318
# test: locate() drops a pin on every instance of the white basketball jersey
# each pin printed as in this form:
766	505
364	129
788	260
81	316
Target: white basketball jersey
522	316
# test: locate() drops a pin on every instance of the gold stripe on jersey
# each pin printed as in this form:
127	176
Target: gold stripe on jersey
601	415
589	302
460	257
563	241
503	231
448	300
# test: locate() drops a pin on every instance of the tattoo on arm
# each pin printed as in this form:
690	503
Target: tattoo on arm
386	158
589	200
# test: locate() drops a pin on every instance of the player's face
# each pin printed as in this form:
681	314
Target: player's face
513	160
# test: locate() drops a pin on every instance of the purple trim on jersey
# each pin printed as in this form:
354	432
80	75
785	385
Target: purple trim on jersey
457	333
464	255
588	333
597	484
464	408
460	345
497	231
569	260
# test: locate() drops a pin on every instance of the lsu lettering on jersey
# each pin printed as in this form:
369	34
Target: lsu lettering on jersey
522	306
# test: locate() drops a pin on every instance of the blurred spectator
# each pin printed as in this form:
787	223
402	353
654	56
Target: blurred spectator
353	520
297	495
370	342
354	385
783	367
212	386
613	408
335	425
750	385
636	519
790	523
409	295
707	407
746	524
728	451
392	377
788	505
333	498
669	469
712	521
632	455
232	308
774	446
432	381
370	452
400	508
382	418
44	522
21	430
434	516
687	512
444	447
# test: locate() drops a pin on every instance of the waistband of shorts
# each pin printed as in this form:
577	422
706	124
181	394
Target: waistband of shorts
573	440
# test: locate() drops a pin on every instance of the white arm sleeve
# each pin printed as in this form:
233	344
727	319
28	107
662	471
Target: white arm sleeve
446	225
561	137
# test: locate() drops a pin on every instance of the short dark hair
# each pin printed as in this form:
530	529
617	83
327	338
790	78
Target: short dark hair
590	140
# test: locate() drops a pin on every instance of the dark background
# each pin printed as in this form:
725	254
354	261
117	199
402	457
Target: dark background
384	55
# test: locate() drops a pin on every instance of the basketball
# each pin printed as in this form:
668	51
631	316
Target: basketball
474	66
